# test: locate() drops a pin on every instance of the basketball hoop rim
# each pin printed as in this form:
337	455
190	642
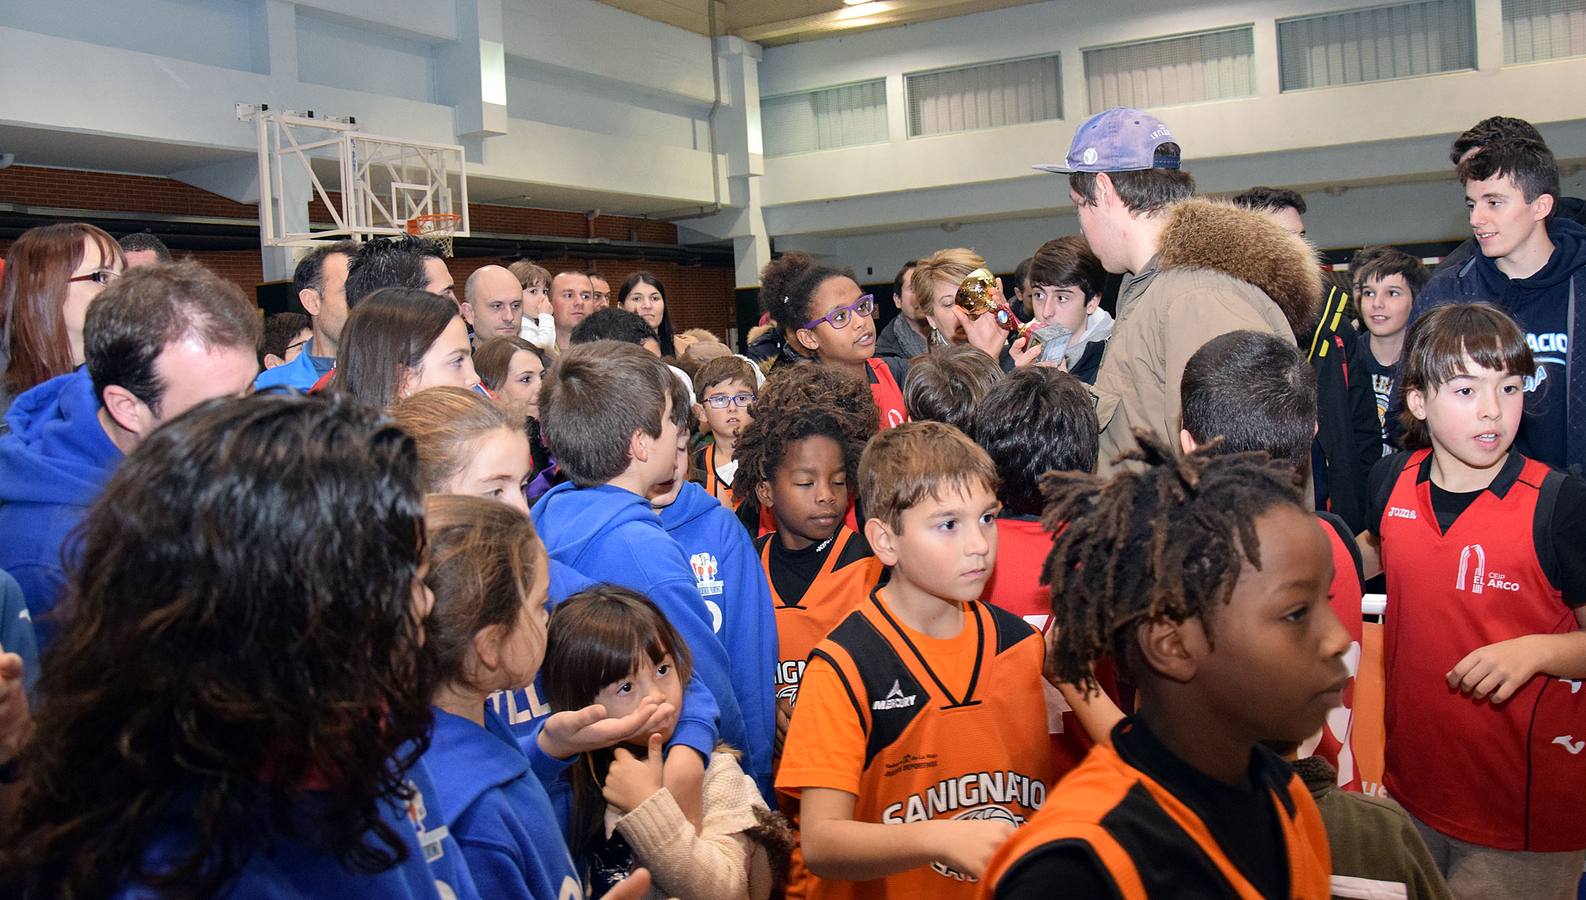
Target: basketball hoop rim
435	222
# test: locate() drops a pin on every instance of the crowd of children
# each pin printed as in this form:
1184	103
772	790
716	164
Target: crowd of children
532	595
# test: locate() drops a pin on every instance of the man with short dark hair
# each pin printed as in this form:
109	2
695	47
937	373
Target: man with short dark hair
320	281
1491	130
572	299
909	333
1190	275
408	261
1532	264
141	248
601	289
158	342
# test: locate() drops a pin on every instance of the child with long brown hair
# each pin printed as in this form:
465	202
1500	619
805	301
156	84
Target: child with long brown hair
612	646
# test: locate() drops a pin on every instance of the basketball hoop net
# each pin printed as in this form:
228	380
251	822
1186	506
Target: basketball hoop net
438	227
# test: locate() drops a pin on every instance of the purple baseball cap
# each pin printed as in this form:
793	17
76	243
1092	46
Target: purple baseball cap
1117	140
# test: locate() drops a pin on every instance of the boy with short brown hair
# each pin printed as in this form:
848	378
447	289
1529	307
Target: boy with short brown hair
919	739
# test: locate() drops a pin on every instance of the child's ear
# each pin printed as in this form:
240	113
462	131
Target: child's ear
487	647
1172	649
699	415
1092	304
882	541
639	445
1415	402
762	492
1186	441
808	340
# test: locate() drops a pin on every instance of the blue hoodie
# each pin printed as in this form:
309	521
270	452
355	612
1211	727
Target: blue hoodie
434	868
610	534
301	373
498	811
1549	431
53	466
728	575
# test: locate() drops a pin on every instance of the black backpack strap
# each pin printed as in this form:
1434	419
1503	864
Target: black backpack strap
1542	525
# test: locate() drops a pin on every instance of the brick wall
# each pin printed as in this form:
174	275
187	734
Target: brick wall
700	296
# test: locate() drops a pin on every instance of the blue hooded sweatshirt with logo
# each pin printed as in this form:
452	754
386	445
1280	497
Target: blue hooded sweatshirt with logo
732	583
612	535
434	868
498	812
53	466
1553	429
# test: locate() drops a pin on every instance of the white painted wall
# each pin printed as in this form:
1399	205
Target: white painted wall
876	205
602	103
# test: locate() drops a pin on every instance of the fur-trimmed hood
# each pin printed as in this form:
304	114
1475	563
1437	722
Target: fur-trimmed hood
1206	234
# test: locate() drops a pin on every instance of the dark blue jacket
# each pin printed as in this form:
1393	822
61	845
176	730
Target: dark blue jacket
53	466
610	534
16	630
1554	427
434	868
729	577
498	811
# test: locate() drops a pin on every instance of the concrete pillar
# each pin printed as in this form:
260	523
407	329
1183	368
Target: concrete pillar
475	71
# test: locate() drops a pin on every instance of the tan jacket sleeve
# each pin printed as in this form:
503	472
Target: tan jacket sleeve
719	861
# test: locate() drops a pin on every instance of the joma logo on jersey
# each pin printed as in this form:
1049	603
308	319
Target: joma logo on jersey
1473	563
976	789
704	565
895	699
1399	512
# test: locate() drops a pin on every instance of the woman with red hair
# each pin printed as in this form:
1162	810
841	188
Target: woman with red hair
52	274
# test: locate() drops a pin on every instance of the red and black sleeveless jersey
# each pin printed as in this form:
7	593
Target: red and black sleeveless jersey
705	474
1333	742
1152	844
934	751
889	397
845	579
1509	775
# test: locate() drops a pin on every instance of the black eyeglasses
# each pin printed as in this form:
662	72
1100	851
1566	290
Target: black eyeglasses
842	315
722	401
100	276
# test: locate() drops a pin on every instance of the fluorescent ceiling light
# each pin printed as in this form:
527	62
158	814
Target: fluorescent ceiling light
854	10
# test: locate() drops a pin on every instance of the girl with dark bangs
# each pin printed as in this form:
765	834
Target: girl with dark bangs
1485	645
611	646
240	693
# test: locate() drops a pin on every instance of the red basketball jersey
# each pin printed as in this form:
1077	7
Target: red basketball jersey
1508	776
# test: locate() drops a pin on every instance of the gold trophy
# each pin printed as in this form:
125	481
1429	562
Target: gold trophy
978	295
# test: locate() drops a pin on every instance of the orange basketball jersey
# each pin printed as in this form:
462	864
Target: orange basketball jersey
1152	844
845	579
969	743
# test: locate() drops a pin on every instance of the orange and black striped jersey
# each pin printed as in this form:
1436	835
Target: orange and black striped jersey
1114	829
808	608
704	469
919	728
